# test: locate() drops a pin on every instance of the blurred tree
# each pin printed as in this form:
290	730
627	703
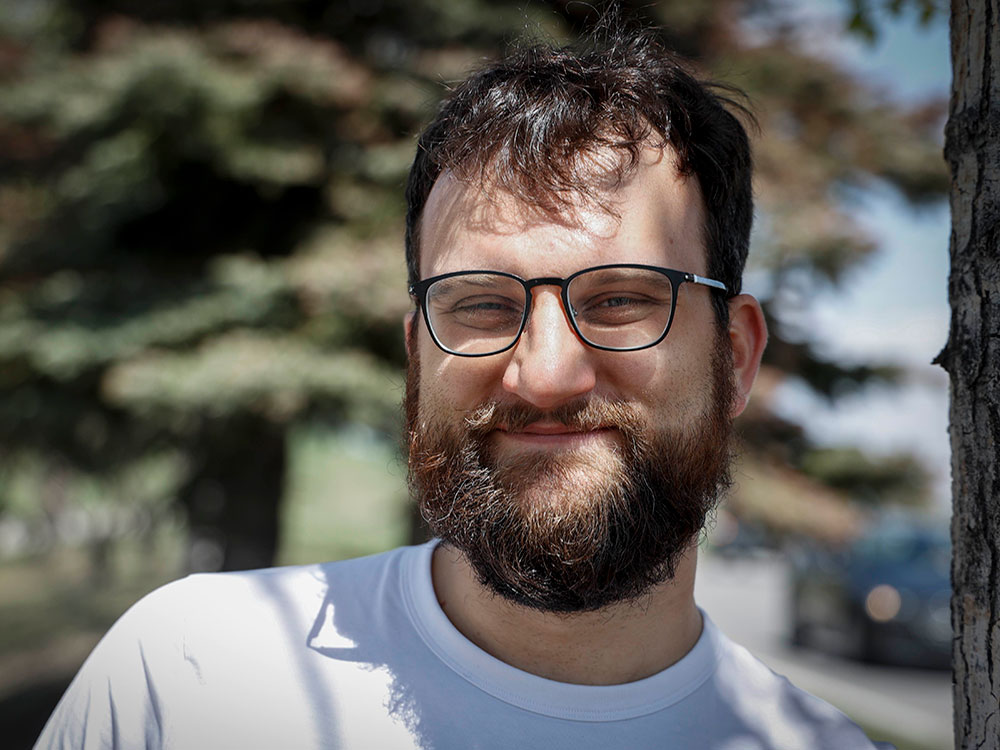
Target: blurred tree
175	204
899	479
863	19
200	223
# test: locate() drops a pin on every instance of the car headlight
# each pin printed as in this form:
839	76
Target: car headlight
883	603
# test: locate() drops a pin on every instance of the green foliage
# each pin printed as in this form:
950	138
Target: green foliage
896	479
790	351
244	371
863	18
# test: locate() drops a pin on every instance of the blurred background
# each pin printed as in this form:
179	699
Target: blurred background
202	285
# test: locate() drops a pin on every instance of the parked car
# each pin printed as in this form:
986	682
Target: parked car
884	598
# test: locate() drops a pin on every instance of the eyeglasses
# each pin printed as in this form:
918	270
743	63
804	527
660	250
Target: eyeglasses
619	308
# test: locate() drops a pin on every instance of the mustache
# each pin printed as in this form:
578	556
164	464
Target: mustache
583	415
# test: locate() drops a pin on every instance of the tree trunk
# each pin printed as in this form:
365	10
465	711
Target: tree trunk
972	359
234	497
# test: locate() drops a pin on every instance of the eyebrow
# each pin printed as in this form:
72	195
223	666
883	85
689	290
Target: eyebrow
481	280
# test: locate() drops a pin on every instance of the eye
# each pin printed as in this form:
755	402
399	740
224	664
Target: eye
620	300
617	308
616	300
481	304
486	312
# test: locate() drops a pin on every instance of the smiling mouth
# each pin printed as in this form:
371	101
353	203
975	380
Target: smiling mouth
555	435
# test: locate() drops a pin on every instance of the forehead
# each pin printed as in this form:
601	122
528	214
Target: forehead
655	216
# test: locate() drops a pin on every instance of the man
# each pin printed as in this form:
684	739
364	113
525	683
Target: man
567	211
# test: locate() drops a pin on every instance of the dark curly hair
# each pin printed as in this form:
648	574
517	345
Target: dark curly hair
527	124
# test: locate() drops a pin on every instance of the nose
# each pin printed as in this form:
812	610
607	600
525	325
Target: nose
549	366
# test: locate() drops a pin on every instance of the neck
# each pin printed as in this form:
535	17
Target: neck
618	644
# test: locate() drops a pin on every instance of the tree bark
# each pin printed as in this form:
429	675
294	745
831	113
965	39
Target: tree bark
233	499
972	359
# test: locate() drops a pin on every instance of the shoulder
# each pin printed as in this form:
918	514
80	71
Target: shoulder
212	591
788	715
194	642
218	602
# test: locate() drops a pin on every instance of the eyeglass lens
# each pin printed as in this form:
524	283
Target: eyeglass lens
617	308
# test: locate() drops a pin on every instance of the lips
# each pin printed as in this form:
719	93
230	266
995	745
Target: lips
546	428
552	432
549	428
582	420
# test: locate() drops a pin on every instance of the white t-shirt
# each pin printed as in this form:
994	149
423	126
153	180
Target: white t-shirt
358	654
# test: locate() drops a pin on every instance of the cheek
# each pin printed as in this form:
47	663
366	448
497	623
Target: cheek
449	383
673	378
631	374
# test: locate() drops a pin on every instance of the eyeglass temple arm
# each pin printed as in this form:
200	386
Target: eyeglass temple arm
696	279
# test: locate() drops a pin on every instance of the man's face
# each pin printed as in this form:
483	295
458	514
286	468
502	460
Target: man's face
571	477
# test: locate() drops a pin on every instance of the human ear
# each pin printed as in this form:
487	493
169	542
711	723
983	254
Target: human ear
747	336
409	320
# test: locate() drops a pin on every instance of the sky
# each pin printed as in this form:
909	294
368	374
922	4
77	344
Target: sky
894	309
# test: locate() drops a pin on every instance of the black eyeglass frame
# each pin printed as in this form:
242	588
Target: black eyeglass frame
418	292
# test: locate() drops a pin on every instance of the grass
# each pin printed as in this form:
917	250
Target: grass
346	497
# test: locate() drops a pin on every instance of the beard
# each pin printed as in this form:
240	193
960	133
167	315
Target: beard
580	530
